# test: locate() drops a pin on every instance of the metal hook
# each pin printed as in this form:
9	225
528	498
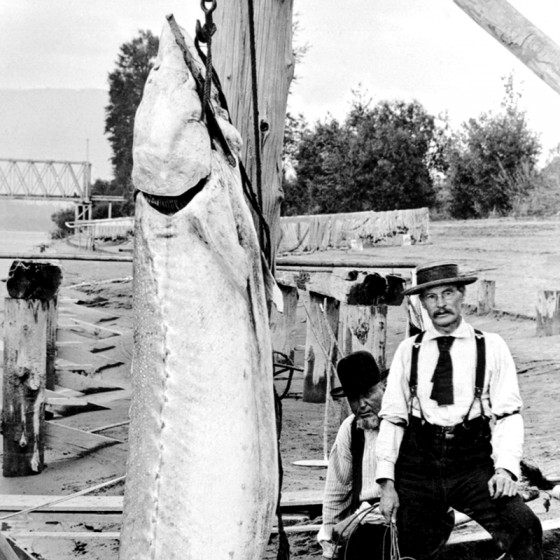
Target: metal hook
209	10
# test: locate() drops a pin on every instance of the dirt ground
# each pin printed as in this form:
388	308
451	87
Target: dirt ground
523	258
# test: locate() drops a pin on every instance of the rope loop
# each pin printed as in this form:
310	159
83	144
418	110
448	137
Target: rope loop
210	9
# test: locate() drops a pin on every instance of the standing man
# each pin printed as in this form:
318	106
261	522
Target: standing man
436	448
352	526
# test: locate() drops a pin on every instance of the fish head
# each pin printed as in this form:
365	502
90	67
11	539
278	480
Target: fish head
172	149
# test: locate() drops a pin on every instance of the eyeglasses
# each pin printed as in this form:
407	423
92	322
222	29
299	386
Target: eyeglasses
447	296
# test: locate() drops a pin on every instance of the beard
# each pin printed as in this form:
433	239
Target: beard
368	423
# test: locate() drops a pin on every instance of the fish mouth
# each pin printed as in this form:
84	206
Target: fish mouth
169	205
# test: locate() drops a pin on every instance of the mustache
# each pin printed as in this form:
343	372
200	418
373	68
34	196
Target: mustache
442	312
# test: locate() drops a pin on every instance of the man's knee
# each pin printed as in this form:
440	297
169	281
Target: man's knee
525	538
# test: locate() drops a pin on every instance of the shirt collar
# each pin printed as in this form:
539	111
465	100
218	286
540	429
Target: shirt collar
464	330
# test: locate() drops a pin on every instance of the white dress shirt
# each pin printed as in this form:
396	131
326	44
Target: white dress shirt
500	396
337	498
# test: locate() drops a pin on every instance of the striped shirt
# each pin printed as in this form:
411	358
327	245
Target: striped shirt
337	498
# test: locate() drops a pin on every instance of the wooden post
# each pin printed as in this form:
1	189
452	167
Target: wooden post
25	362
486	296
515	32
548	313
52	321
317	344
275	68
364	327
29	324
283	325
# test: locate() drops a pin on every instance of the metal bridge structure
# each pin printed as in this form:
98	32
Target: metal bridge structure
46	180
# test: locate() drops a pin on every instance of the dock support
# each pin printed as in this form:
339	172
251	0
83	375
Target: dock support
548	313
319	346
29	323
283	325
486	296
364	327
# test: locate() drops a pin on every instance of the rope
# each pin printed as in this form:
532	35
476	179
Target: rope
204	35
255	94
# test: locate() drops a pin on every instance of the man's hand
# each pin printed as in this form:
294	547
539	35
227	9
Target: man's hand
502	484
389	503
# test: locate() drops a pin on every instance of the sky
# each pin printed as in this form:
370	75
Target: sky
428	50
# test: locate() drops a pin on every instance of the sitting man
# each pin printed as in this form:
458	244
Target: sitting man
452	432
351	490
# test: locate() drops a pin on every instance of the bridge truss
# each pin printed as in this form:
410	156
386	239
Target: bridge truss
45	180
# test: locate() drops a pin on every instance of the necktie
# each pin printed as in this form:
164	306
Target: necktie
442	391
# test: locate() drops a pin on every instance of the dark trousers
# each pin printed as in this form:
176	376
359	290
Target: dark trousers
438	470
367	542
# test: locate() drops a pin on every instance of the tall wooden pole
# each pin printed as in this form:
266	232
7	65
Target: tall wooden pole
515	32
275	66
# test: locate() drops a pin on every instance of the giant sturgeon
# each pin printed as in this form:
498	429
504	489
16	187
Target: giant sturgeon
202	476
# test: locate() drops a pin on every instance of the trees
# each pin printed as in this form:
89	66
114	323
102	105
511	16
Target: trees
126	84
378	159
492	160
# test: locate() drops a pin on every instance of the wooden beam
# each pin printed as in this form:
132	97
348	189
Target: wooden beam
346	285
515	32
291	501
274	69
364	262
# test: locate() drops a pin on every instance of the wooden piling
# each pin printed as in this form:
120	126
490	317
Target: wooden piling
317	345
25	363
283	325
29	347
486	296
548	313
364	327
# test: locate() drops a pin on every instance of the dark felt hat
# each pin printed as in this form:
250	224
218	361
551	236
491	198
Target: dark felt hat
357	372
438	275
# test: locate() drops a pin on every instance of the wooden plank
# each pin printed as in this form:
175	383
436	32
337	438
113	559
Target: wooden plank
77	441
364	262
6	551
83	383
22	554
113	504
72	535
347	285
515	32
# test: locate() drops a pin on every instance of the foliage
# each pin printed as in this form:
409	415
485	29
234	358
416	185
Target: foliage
379	158
126	84
544	197
492	161
101	209
60	217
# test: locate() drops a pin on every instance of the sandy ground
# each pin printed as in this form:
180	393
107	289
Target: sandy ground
521	256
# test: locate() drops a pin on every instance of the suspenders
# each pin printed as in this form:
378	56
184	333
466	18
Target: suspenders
479	379
357	442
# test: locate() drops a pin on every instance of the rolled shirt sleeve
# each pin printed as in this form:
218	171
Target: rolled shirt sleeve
506	403
337	497
394	413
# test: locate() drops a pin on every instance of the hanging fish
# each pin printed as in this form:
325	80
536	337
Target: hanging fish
202	475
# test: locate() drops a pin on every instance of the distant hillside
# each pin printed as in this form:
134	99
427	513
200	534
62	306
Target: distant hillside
54	124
